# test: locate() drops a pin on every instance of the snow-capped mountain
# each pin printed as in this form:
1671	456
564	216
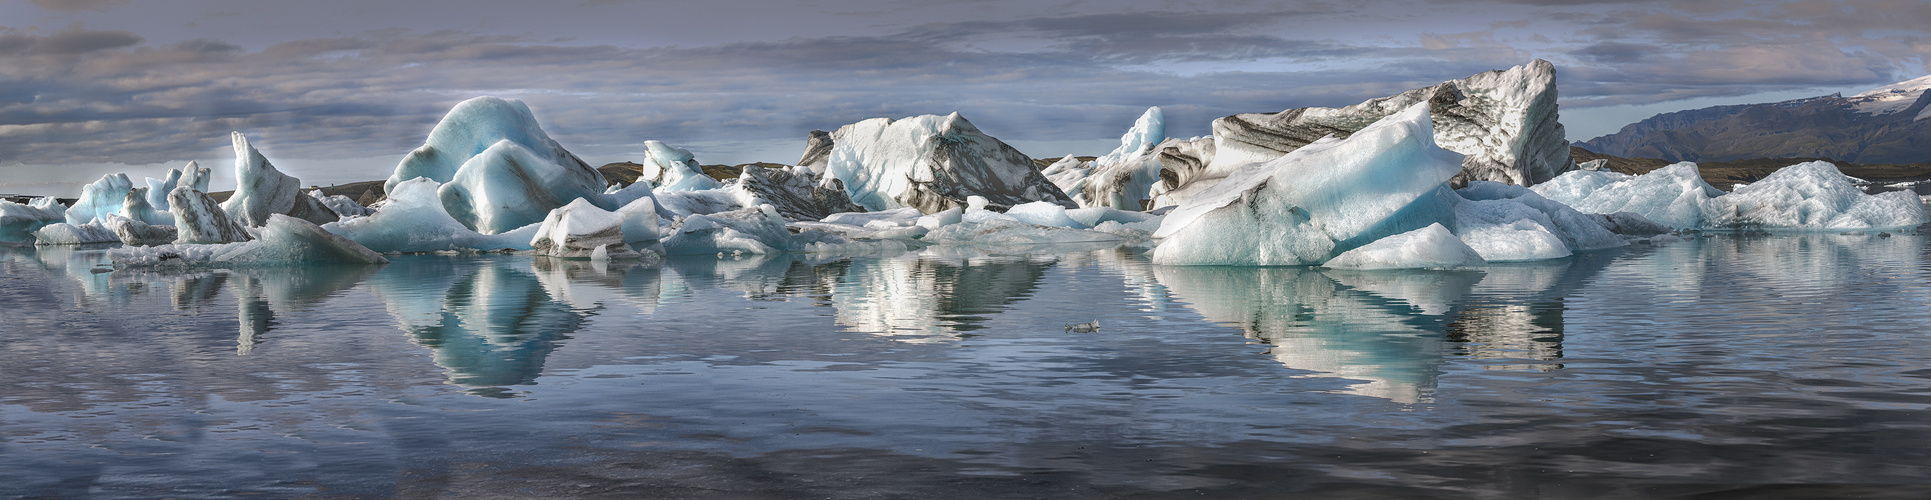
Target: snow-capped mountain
1884	125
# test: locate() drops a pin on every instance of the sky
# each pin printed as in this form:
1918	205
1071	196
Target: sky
336	92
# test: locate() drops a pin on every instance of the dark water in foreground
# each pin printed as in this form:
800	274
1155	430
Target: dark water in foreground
1727	366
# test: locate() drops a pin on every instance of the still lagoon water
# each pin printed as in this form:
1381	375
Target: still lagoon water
1724	366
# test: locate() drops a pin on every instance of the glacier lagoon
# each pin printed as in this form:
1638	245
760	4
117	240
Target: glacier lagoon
1729	362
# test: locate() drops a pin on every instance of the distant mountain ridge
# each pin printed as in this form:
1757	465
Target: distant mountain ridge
1890	124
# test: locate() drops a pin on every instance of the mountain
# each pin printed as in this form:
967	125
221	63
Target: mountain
1884	125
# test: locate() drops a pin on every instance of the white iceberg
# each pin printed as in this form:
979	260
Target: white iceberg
794	191
580	230
508	186
198	219
413	220
1332	196
94	231
754	230
19	221
1044	214
673	169
261	191
284	240
931	163
137	207
1806	196
341	205
102	197
1313	203
499	171
1431	247
1122	178
134	232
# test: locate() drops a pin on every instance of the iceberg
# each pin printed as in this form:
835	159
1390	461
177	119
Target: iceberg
580	230
137	207
1122	178
1335	195
284	240
413	220
507	187
673	169
198	219
1431	247
640	221
931	163
134	232
1044	214
896	217
158	189
261	191
341	205
1183	171
1806	196
19	221
754	230
978	227
794	191
1504	123
94	231
471	127
1674	195
499	171
1313	203
102	197
1812	196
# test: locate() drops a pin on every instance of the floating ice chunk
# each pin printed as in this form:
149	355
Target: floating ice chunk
508	186
136	207
580	230
1578	231
198	219
1674	195
988	229
1805	196
640	221
499	170
102	197
1096	215
158	189
261	191
931	163
1431	247
71	234
134	232
1504	231
946	217
1123	178
688	203
341	205
673	169
1812	196
471	127
795	191
898	217
413	220
755	230
284	240
837	239
19	221
1319	200
623	195
875	230
1044	214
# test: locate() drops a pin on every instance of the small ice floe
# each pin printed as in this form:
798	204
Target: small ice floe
1087	327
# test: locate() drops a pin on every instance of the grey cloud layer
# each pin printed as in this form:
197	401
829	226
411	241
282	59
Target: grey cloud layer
79	95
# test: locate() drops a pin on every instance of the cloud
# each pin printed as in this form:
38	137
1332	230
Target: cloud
79	5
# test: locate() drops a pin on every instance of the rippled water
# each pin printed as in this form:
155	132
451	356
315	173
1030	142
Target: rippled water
1726	365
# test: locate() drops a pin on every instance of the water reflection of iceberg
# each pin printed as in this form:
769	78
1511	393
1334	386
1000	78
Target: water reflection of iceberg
925	299
489	325
1315	323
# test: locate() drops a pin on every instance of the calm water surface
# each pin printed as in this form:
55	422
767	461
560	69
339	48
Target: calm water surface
1725	366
